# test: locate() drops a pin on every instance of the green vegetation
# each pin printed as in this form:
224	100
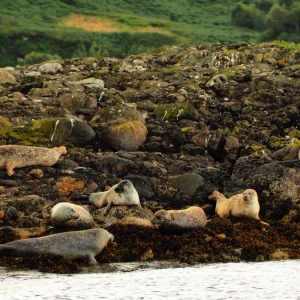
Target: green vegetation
278	19
285	44
35	30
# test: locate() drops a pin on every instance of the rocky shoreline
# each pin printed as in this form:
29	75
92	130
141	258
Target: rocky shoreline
178	123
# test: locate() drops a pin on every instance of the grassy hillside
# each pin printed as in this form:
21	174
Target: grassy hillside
71	28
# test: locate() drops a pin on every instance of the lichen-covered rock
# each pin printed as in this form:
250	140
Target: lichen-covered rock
92	84
50	68
176	111
76	101
128	136
64	131
117	115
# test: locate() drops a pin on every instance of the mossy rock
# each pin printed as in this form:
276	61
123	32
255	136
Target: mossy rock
128	136
63	131
176	111
117	115
76	101
4	122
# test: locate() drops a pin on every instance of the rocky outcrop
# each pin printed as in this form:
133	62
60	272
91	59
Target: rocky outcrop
180	124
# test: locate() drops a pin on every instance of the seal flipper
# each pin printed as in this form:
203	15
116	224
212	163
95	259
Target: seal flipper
108	207
10	168
83	197
92	260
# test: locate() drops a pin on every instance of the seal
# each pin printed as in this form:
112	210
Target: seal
179	220
122	193
83	244
243	205
18	156
65	214
136	222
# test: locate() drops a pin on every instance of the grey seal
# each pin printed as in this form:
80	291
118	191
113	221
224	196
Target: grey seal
83	244
65	214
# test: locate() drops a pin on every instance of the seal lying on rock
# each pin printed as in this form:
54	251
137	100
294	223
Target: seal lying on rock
243	205
179	220
17	156
122	193
136	222
65	214
84	244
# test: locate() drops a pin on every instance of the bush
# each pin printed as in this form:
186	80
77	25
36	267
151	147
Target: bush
38	57
248	16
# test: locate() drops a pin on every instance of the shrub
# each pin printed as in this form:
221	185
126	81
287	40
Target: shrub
38	57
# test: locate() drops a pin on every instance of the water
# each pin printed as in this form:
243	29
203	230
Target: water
266	280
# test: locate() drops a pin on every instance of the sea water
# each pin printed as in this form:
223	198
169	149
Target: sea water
260	280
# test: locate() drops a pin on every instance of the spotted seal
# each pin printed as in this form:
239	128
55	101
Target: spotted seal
18	156
83	244
179	220
243	205
122	193
65	214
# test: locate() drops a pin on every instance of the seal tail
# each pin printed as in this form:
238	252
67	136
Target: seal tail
81	197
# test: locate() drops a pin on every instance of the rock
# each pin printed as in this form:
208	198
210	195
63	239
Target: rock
176	111
92	84
64	131
6	77
188	183
117	213
287	153
128	136
118	115
119	166
50	68
218	146
179	122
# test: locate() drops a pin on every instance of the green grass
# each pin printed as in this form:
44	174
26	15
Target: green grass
37	26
